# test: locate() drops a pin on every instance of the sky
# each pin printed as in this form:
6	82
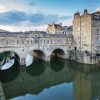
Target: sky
30	15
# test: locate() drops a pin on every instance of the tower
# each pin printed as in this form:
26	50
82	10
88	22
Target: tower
86	32
82	31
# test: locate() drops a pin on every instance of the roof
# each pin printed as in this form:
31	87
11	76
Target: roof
57	26
95	15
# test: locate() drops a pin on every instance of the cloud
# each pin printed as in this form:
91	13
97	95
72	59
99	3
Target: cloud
66	20
3	8
17	17
32	4
98	9
13	28
30	21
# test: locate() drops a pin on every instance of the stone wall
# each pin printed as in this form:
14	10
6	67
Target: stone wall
22	45
2	96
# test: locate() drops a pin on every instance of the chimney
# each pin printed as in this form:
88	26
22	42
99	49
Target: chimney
85	11
77	15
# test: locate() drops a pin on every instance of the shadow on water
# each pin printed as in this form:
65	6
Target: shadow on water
37	68
10	74
57	64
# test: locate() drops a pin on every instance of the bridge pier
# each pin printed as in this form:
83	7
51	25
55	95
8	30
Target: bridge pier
47	58
22	61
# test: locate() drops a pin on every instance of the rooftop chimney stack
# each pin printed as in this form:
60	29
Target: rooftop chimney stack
77	15
85	11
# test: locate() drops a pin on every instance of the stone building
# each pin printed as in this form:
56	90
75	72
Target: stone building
86	32
80	42
58	29
36	43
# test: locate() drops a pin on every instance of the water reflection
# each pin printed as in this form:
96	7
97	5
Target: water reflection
86	84
37	67
9	74
57	64
73	81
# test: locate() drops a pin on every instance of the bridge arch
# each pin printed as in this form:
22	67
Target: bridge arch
8	59
9	65
14	51
33	55
37	53
58	52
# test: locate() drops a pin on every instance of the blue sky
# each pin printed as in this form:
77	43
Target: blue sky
23	15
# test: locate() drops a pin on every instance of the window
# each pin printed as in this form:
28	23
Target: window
78	37
69	47
44	41
51	41
27	41
47	41
31	41
36	41
97	31
17	41
6	41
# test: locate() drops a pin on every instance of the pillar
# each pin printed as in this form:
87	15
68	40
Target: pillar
22	61
47	58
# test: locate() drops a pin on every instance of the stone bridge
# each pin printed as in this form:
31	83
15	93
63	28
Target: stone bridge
39	45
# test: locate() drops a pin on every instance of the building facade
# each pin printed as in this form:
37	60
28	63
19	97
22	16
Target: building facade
80	42
86	32
58	29
36	43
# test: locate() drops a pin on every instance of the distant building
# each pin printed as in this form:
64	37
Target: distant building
58	29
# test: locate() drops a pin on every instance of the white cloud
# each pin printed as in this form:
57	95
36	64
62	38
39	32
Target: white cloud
98	9
3	8
66	22
13	28
17	15
16	5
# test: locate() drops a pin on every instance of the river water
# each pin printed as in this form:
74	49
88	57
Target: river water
56	80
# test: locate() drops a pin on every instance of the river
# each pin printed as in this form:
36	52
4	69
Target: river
56	80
